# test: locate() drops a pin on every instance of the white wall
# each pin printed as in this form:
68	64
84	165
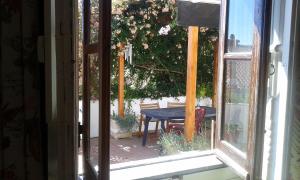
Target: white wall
94	115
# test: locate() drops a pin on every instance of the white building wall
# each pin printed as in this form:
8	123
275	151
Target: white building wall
94	108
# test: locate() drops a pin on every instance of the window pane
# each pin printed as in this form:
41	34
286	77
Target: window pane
236	105
94	21
240	25
94	108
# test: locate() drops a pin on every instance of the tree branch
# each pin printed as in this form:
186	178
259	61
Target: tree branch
161	70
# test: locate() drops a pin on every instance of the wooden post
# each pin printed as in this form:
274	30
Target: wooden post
215	75
189	124
215	88
121	83
212	135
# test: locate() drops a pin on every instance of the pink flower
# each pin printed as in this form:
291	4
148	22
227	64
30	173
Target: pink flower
164	30
166	9
146	46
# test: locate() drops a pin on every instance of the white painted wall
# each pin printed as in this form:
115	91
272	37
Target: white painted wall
94	114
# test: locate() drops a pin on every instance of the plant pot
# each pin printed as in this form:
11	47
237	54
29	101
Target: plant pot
118	133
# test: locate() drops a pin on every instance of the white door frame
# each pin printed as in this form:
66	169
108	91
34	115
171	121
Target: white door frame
278	110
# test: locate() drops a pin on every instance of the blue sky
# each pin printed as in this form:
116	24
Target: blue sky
241	20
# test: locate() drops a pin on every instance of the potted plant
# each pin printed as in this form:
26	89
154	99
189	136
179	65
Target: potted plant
121	127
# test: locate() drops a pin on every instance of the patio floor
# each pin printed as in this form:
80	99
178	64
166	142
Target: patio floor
131	149
128	149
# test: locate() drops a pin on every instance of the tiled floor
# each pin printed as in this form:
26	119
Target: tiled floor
128	149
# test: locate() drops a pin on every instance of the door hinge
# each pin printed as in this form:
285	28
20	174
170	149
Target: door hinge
80	131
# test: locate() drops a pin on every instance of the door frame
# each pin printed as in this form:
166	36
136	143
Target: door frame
61	73
102	48
58	54
257	103
51	97
292	33
105	72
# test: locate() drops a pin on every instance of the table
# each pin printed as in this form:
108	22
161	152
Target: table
163	114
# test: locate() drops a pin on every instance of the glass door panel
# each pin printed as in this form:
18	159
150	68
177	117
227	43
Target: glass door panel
237	70
94	109
94	21
240	25
236	102
240	87
96	80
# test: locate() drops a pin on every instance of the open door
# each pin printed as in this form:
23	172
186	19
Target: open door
96	88
242	82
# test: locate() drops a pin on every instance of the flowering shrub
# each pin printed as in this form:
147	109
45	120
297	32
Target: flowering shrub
159	61
172	143
159	50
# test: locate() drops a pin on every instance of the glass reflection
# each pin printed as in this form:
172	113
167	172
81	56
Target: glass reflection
236	105
94	21
240	25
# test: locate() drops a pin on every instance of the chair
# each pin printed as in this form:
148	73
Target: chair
147	106
174	105
199	117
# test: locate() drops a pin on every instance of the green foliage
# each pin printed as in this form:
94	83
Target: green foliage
205	90
159	59
172	143
128	123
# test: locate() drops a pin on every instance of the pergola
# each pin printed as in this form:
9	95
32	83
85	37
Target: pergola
192	14
195	14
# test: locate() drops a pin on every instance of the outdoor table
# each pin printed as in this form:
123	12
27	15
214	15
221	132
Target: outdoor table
163	114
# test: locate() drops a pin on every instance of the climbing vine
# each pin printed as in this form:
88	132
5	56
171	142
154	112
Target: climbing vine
159	61
159	50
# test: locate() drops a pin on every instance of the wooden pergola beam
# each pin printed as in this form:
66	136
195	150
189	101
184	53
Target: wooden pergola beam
121	83
189	124
215	75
